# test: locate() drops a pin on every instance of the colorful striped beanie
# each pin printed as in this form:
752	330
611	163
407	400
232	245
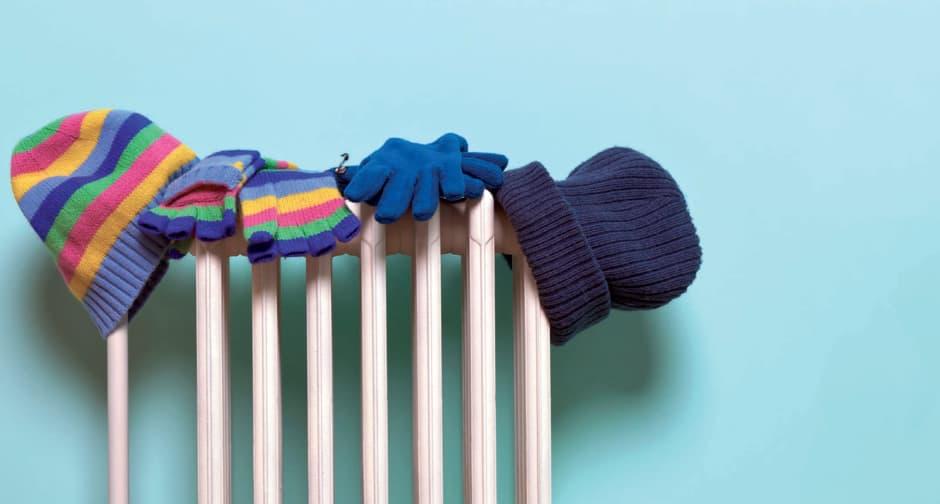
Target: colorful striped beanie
81	181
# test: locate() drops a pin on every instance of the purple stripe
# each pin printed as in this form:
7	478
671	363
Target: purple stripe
33	198
58	197
278	175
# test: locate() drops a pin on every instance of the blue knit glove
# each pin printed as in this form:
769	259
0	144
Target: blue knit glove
401	173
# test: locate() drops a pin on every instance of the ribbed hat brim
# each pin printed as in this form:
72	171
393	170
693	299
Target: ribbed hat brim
571	285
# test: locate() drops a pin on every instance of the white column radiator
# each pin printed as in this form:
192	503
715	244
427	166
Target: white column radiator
474	229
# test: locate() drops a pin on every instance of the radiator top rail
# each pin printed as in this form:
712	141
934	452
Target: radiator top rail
400	235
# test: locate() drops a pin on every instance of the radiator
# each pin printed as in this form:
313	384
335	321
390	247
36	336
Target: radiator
477	230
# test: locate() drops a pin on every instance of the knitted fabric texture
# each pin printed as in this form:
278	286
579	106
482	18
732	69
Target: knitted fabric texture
293	213
401	174
81	181
616	233
201	203
637	222
571	285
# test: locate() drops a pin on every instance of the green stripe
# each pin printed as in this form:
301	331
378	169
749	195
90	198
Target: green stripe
203	213
269	227
84	196
303	231
30	142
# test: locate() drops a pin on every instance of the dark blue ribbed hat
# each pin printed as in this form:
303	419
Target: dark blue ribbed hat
615	233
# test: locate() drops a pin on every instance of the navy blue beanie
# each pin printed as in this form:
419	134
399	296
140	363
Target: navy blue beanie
616	233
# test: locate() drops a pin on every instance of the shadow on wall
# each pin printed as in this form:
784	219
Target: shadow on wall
73	341
621	357
620	362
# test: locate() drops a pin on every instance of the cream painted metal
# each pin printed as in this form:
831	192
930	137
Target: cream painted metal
374	363
213	430
479	356
477	230
533	390
266	383
117	416
427	422
319	380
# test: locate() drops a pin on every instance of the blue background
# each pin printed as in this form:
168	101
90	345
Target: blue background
800	366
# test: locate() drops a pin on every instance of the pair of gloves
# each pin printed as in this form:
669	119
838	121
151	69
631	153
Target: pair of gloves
285	211
290	212
403	173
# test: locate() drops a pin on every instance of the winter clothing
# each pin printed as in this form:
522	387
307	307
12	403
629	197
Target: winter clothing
403	173
291	213
201	203
81	181
615	233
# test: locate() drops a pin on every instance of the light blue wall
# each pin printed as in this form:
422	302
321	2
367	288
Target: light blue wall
800	367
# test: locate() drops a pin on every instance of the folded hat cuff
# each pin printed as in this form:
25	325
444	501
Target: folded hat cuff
126	277
571	285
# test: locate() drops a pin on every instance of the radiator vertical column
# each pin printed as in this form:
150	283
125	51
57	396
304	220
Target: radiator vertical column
319	380
266	383
118	461
374	365
427	415
533	420
213	428
479	355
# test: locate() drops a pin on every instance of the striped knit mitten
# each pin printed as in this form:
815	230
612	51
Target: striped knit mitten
294	213
201	202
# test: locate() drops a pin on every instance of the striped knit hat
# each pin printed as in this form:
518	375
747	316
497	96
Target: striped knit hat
81	181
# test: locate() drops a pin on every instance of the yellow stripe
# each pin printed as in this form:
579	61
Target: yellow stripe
71	159
290	203
120	218
299	201
251	207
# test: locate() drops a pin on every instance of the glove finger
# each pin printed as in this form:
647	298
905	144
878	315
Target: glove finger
290	240
396	196
261	247
367	183
294	228
426	196
291	245
451	142
487	172
152	223
318	231
321	243
229	215
209	225
474	187
497	159
348	226
258	204
452	184
180	228
260	230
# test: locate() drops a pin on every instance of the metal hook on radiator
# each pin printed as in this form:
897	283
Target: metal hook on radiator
341	169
